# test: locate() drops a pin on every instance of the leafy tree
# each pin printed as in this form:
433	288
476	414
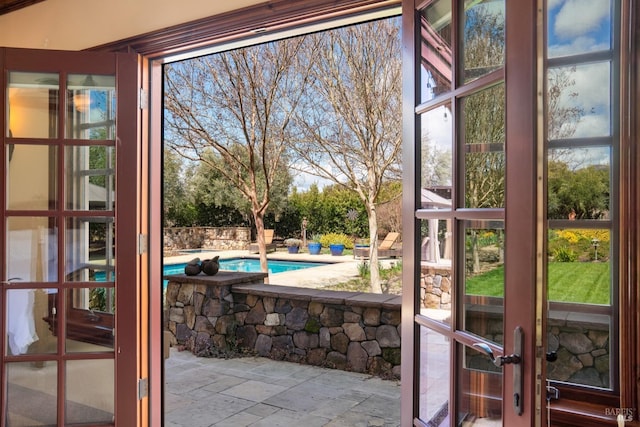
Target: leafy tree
581	193
179	210
334	210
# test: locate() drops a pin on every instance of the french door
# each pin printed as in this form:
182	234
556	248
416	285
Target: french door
517	189
69	294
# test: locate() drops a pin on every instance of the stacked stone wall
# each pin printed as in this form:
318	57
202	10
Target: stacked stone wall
218	238
435	287
582	349
340	330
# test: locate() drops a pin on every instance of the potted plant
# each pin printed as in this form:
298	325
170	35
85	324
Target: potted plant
293	245
337	242
336	249
314	245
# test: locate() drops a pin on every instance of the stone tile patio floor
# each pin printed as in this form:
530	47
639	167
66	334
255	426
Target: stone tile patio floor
260	392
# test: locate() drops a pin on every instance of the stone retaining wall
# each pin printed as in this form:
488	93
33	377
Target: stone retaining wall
435	287
581	342
344	330
219	238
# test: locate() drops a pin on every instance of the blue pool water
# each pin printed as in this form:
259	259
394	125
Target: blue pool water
250	265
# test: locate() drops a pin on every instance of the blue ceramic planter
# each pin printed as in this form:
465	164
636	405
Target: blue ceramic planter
314	248
336	249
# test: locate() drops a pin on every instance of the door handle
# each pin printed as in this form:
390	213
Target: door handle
514	358
500	360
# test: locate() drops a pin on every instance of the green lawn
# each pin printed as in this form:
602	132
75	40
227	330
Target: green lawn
582	282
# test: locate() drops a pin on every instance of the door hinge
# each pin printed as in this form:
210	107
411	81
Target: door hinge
143	100
143	388
142	244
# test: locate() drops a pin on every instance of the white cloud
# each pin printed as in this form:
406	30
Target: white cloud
577	45
593	125
592	84
591	93
438	123
304	180
578	17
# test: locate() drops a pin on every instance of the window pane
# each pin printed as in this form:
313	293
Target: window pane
91	107
484	279
90	178
31	177
32	249
28	332
32	105
479	389
436	166
571	31
579	268
581	340
435	269
579	324
579	184
483	41
90	254
435	49
577	106
31	394
484	137
435	353
90	317
85	402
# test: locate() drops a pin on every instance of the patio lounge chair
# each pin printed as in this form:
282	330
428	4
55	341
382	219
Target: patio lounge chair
268	237
386	248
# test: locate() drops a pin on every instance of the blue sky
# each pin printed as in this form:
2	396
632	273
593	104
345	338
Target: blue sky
578	26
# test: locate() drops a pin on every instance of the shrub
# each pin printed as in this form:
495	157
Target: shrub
364	269
564	254
293	242
316	238
336	238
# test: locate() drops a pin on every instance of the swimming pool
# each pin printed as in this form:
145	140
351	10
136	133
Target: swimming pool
250	265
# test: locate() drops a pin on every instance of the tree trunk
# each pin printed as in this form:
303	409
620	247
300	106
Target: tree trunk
374	266
475	251
262	246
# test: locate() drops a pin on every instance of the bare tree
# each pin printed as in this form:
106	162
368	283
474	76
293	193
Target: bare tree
350	126
484	118
232	112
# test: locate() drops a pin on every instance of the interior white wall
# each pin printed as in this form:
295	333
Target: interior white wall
80	24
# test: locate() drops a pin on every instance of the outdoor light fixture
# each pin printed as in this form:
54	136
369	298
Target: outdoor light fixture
595	243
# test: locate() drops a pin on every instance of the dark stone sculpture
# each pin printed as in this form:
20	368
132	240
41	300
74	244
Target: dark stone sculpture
211	266
193	267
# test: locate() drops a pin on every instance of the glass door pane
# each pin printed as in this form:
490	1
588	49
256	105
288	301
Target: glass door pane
583	190
479	391
32	105
484	280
